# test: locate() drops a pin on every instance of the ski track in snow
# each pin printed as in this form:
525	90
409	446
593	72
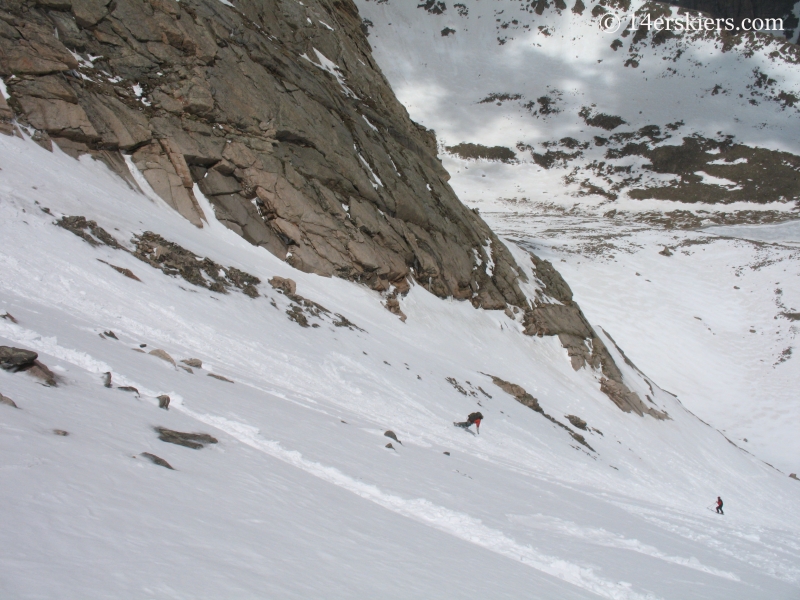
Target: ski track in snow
613	540
454	523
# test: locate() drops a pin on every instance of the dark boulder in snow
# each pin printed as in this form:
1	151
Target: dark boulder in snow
18	359
391	434
190	440
193	362
157	460
163	401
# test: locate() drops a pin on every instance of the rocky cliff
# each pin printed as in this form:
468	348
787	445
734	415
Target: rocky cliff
276	111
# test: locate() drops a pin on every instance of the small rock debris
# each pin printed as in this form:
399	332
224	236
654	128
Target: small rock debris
157	460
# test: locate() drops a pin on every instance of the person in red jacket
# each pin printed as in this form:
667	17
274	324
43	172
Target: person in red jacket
474	418
719	505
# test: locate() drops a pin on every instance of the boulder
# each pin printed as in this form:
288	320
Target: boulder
190	440
193	362
285	285
16	359
162	354
7	401
157	460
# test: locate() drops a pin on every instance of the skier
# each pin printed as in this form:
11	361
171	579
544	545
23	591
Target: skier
719	505
473	418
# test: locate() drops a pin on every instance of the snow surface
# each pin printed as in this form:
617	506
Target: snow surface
709	323
300	498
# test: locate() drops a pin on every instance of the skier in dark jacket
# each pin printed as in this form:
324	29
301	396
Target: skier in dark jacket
474	418
719	505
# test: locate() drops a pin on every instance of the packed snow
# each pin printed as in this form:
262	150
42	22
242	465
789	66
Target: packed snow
301	497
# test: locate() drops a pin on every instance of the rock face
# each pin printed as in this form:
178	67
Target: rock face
565	319
276	111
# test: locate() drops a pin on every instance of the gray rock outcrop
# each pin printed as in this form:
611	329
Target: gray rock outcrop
276	111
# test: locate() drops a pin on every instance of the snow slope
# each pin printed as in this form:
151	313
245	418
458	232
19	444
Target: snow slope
300	497
709	323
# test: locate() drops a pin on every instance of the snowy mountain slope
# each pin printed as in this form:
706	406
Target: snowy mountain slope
600	235
714	322
689	117
300	497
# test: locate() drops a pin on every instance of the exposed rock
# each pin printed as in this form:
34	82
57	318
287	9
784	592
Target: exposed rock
162	354
127	272
18	360
393	306
556	313
157	460
174	260
525	398
7	401
107	379
577	422
6	117
163	401
193	362
110	334
9	317
794	476
128	388
389	445
446	453
190	440
391	434
666	251
220	377
280	146
285	285
61	432
89	231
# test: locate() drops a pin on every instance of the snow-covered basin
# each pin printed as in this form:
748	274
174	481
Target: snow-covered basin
787	232
300	498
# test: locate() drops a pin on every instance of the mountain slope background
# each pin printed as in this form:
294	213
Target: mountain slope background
297	493
612	170
224	405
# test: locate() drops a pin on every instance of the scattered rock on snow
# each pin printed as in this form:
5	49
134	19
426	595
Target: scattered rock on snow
389	445
159	353
9	317
666	251
190	440
163	401
157	460
193	362
61	432
220	377
447	453
283	284
18	359
7	401
89	231
127	272
107	379
128	388
577	422
110	334
391	434
794	476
